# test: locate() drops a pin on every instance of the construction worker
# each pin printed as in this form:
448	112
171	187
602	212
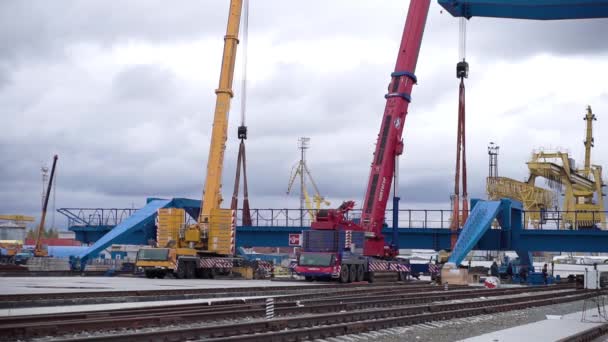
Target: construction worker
494	269
523	273
510	271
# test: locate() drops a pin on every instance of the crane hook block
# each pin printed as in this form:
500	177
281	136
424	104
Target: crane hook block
462	69
242	133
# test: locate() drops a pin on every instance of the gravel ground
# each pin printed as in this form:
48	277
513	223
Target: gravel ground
461	328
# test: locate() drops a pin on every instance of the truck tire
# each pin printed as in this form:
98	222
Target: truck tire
344	274
353	273
199	273
149	274
181	270
160	274
360	272
190	270
205	272
370	277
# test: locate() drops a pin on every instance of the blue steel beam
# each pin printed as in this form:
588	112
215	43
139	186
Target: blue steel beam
527	9
437	239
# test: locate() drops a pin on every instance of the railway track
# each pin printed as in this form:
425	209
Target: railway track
100	297
318	311
341	323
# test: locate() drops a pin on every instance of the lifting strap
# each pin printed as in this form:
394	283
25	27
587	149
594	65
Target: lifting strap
242	131
462	72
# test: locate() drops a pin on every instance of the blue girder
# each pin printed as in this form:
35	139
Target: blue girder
527	9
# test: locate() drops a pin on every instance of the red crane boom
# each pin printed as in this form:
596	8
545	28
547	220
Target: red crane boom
390	144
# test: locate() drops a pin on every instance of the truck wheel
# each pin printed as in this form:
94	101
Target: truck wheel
344	274
205	273
353	273
190	270
370	277
360	272
181	270
149	274
309	278
160	274
199	273
212	273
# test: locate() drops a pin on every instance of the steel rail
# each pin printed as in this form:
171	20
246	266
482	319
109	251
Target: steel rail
240	303
72	298
396	306
323	326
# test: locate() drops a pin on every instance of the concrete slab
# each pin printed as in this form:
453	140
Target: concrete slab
551	329
114	306
19	285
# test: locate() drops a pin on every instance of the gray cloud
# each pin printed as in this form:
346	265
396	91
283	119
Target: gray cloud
142	130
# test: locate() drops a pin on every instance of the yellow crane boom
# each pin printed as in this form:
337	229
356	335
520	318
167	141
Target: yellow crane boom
589	117
212	196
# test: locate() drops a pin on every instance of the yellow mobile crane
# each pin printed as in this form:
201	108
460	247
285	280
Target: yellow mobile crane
204	248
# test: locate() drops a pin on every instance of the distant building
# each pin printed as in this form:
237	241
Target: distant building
12	231
54	242
66	235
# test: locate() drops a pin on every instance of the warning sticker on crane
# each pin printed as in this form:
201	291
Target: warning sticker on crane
294	239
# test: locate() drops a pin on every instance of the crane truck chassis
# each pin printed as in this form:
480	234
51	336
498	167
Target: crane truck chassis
160	262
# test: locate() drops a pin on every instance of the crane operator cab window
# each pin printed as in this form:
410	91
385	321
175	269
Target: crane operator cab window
317	259
153	254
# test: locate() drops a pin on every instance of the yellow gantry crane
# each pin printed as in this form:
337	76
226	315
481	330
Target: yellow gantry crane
17	218
583	188
583	201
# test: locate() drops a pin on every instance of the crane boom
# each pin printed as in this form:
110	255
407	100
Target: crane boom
589	117
212	196
389	144
38	250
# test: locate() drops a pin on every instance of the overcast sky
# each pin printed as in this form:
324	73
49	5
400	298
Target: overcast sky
124	94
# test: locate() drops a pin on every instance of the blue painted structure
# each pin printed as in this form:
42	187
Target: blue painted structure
527	9
90	224
479	221
510	237
140	225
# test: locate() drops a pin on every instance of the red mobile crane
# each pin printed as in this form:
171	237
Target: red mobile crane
336	247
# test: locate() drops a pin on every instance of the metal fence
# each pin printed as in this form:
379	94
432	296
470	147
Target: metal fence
408	218
94	217
420	218
572	220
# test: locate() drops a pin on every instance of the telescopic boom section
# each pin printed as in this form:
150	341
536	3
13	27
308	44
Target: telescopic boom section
38	250
390	144
212	196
